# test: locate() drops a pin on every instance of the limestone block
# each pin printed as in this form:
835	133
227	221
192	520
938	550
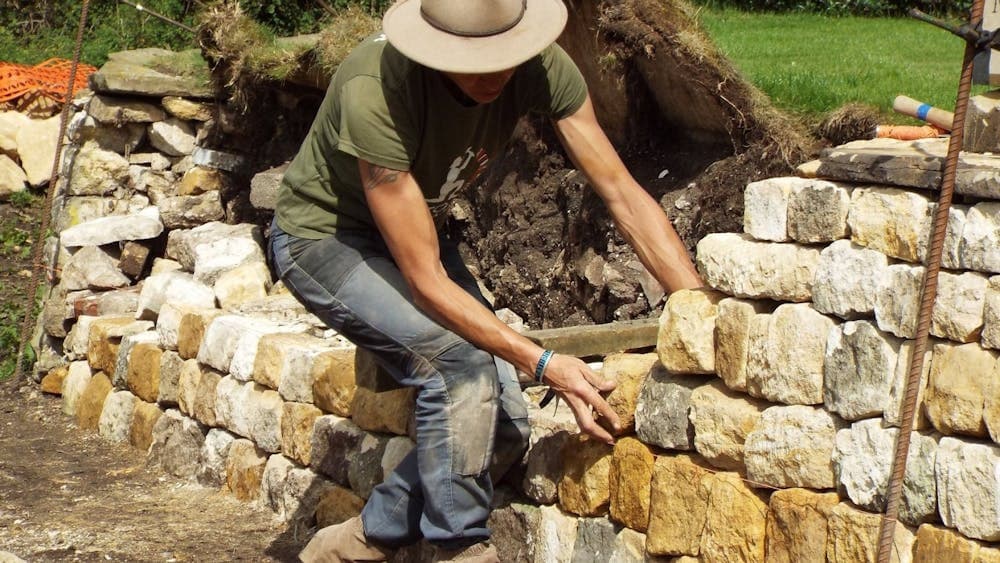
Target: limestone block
792	447
364	469
116	111
144	372
897	393
980	246
168	323
817	212
12	178
960	379
200	180
245	470
177	443
967	488
206	395
223	336
105	337
585	487
797	526
117	302
982	123
213	457
297	420
182	244
231	399
329	383
958	309
242	284
334	441
186	211
116	416
283	355
144	419
179	288
765	208
852	535
172	137
527	533
858	370
187	388
170	376
187	110
245	352
678	507
264	187
77	379
336	505
106	230
785	362
303	491
10	123
52	383
936	544
631	475
272	486
663	408
897	301
893	221
154	160
37	141
741	267
629	371
598	541
264	409
124	356
191	330
97	171
862	460
732	339
92	268
686	339
722	419
951	253
164	265
212	259
736	522
397	448
80	209
991	314
544	461
91	403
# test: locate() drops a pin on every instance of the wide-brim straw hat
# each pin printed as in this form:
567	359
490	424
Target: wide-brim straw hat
473	36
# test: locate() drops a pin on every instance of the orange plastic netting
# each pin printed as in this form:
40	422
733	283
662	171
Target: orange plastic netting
46	79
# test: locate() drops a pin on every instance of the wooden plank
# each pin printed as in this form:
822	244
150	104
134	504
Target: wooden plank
598	340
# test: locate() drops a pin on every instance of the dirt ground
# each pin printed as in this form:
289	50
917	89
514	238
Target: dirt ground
69	495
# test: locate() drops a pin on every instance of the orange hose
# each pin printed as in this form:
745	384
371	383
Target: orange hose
908	132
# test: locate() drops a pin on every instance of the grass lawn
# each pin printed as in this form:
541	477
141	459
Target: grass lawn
810	64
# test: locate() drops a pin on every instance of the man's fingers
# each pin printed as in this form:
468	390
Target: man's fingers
585	420
602	408
601	384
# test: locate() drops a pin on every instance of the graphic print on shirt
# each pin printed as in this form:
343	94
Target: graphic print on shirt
454	181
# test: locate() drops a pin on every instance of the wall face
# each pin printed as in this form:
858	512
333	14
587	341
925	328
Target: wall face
760	430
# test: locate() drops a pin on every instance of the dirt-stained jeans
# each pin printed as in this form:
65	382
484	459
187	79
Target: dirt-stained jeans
471	420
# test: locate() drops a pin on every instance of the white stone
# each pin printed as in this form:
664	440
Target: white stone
97	171
37	142
272	486
168	323
556	535
242	284
765	208
116	416
732	336
862	459
980	246
847	279
245	353
78	339
968	484
894	407
76	381
222	336
10	123
741	267
106	230
116	111
785	358
817	212
215	258
180	288
264	411
722	419
898	300
895	222
951	251
303	491
294	376
182	245
212	461
231	400
958	309
129	341
12	178
858	369
792	447
172	137
92	268
991	314
686	339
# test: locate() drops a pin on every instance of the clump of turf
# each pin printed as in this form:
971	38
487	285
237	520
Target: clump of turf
850	122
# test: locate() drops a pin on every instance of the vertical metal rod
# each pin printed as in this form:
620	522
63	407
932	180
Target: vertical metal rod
928	295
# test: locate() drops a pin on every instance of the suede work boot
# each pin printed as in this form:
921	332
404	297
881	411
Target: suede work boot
343	543
478	553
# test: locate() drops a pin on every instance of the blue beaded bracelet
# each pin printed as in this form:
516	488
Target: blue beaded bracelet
542	362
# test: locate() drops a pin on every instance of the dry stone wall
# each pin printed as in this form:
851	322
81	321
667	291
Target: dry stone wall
760	429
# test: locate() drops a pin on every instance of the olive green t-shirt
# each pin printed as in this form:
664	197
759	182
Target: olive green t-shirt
395	113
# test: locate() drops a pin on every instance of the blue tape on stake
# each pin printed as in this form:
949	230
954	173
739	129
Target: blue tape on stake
923	110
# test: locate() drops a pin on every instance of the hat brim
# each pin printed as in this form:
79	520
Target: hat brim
408	32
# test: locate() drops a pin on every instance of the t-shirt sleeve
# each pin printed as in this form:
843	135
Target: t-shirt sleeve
567	90
368	129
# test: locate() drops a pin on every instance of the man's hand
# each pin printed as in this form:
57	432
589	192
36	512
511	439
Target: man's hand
581	388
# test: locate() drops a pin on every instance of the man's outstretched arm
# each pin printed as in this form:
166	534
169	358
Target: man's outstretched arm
637	215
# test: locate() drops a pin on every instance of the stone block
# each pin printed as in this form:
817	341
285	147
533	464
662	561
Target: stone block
264	409
116	416
37	141
285	355
187	246
817	212
958	308
858	371
686	341
980	246
797	526
170	375
741	267
177	444
77	378
144	419
991	314
187	110
722	419
12	178
105	337
364	469
968	494
92	268
528	533
732	338
144	372
97	172
765	208
982	123
191	331
168	323
272	485
897	393
330	383
303	491
245	470
847	279
178	287
187	386
200	180
172	137
124	357
585	486
334	441
960	379
206	395
117	111
142	225
214	457
264	187
663	408
242	284
631	475
297	420
785	359
186	211
895	222
134	258
223	336
792	447
678	506
736	521
91	404
935	544
336	505
544	460
852	535
629	371
231	399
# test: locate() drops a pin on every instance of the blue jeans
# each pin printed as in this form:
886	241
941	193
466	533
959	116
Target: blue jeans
471	419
